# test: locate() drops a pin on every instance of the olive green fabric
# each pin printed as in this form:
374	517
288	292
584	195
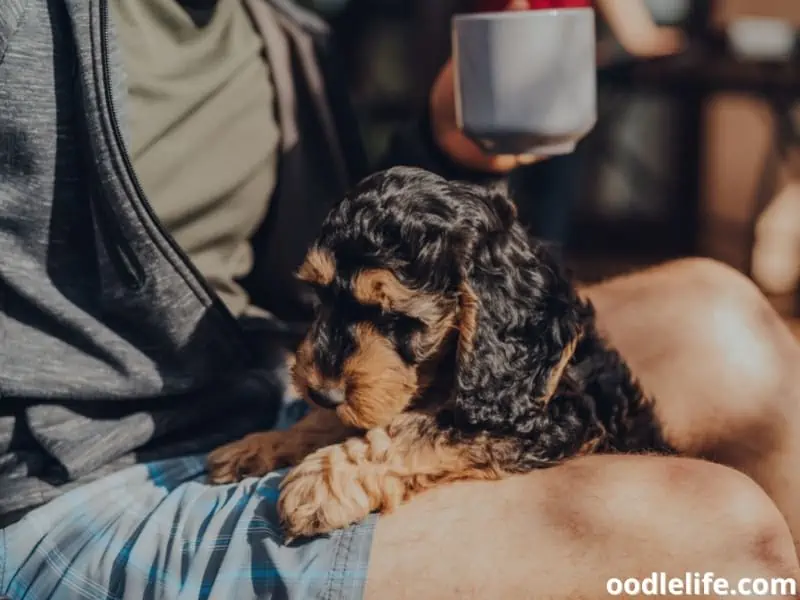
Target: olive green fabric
204	137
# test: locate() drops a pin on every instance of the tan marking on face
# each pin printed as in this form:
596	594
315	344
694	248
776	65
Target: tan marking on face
319	268
380	287
305	374
379	384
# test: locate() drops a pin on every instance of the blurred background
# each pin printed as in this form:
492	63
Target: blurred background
693	153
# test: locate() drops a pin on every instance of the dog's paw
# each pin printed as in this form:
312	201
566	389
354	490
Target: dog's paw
327	491
252	456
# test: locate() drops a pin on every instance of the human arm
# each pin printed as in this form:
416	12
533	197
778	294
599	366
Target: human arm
634	28
435	142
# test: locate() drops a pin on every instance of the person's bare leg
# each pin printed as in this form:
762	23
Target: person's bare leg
723	366
563	532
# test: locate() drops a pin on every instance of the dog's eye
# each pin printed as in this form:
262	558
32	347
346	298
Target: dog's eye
314	301
408	348
401	331
320	295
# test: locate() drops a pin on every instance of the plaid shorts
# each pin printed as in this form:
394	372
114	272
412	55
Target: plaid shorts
158	531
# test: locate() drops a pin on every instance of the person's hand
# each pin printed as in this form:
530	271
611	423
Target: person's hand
633	26
666	41
451	140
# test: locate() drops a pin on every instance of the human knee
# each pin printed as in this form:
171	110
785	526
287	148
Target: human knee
714	289
753	521
701	307
701	514
745	531
730	330
710	273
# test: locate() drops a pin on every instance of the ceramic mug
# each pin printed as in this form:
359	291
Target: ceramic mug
526	81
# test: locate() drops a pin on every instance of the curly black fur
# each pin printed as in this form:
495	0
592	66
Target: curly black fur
453	239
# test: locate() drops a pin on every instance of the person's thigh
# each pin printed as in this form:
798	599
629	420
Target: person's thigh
158	531
723	369
721	363
564	532
707	344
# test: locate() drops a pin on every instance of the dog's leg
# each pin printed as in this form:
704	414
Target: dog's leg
259	453
344	483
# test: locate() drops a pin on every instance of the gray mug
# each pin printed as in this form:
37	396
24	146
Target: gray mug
526	81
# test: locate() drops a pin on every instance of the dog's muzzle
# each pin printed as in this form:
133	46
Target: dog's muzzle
329	398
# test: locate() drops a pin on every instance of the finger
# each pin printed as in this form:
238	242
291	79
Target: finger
528	159
502	163
467	153
517	5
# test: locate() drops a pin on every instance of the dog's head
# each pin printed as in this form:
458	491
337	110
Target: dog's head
429	284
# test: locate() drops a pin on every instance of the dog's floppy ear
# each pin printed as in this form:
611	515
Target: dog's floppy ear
519	323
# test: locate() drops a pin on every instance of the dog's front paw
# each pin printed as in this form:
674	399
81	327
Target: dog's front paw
252	456
328	491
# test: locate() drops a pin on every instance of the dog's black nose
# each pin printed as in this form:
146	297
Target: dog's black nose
328	398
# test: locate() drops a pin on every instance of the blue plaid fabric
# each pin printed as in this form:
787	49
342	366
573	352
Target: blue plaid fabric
159	531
